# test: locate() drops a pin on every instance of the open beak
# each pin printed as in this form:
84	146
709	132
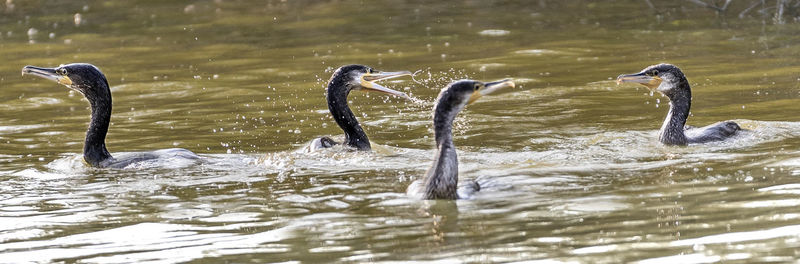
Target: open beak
651	82
368	82
46	73
490	88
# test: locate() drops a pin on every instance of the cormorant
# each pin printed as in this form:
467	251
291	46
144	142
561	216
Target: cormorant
89	81
345	79
670	81
441	180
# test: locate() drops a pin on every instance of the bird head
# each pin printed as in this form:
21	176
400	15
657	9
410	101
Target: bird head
464	92
360	77
660	77
82	77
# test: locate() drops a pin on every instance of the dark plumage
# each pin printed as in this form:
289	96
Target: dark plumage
670	81
89	81
441	180
345	79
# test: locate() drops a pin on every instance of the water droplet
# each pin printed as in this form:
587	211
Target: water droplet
32	32
189	9
494	32
78	19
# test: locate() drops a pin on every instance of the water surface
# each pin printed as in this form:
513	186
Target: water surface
572	163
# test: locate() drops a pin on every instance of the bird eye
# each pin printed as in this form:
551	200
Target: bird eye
477	86
370	70
654	72
62	71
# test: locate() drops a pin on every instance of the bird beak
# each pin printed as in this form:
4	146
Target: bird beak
490	88
368	82
47	73
651	82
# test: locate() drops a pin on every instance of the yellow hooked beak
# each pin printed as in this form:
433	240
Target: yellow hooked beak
651	82
368	80
47	73
490	88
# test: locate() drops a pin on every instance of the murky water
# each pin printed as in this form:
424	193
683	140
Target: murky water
571	160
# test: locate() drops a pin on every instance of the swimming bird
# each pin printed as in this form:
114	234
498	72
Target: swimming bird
669	80
89	81
345	79
441	180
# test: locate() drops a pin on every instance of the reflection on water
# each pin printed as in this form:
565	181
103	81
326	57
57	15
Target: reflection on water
571	165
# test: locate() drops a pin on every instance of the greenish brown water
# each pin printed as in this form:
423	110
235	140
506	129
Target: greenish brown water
576	172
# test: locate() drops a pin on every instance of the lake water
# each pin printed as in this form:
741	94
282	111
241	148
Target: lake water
575	169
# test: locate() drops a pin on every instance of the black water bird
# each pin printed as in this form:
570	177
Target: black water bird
89	81
345	79
441	180
669	80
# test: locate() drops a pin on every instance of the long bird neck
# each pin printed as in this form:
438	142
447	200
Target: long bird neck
672	131
94	148
441	180
344	117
